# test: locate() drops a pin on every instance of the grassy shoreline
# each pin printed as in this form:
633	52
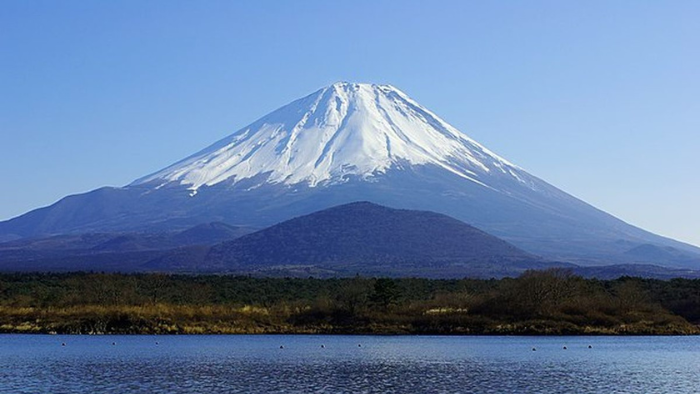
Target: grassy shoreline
550	302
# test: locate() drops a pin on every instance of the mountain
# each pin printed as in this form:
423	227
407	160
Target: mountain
360	238
107	251
354	142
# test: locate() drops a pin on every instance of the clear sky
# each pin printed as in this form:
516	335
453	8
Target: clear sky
599	98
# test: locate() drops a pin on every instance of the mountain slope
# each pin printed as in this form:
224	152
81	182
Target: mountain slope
353	142
362	238
95	251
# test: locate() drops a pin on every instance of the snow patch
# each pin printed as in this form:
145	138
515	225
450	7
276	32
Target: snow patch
346	129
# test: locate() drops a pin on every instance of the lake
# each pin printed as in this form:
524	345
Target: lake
347	364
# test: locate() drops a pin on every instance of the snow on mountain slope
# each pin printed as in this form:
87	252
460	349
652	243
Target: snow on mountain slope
343	130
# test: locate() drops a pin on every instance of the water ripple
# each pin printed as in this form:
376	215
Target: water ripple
245	364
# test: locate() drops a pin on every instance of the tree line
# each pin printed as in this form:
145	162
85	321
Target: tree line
538	302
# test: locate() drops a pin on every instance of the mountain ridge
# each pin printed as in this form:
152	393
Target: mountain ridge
364	238
346	240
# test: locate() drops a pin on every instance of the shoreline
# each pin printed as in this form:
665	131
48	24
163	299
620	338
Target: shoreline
343	334
185	332
539	303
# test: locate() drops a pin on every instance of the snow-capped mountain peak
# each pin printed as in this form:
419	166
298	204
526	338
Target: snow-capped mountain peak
345	143
341	131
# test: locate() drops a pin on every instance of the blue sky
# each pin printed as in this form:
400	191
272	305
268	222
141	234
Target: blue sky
599	98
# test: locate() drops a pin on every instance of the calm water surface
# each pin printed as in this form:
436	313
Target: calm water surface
348	364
